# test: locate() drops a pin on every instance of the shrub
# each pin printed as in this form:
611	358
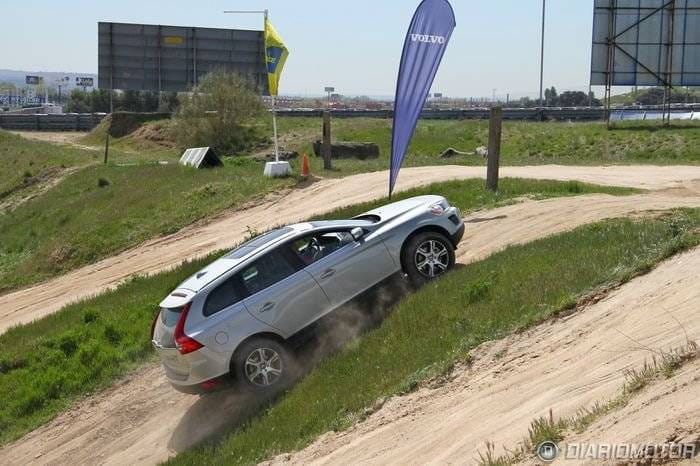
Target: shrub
220	113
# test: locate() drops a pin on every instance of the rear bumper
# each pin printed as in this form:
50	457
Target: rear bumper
209	386
195	372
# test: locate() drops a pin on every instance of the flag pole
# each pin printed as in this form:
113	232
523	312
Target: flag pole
274	109
266	14
274	129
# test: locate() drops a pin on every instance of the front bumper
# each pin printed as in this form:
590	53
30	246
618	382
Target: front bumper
457	235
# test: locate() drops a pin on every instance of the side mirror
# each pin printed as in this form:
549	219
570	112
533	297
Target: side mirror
357	233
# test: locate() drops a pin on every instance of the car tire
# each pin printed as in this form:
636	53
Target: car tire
433	250
263	365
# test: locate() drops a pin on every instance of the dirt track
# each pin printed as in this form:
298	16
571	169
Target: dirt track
143	421
564	365
153	256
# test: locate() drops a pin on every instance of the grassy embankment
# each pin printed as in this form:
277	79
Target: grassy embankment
524	143
73	224
49	363
25	163
103	209
429	331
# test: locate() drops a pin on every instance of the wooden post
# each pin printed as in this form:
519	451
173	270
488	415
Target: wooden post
326	144
494	153
106	148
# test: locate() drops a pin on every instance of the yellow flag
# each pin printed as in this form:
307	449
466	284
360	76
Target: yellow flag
276	55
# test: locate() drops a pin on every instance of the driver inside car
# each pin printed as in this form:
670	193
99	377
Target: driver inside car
314	248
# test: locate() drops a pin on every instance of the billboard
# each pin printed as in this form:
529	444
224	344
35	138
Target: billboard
33	80
174	58
84	82
646	43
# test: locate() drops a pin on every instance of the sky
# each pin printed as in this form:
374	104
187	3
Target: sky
354	46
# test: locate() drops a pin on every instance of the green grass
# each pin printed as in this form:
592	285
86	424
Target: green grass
428	331
130	150
524	143
101	210
471	194
47	364
104	209
24	162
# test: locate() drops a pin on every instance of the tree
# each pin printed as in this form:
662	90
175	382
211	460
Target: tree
220	113
99	101
653	96
169	102
573	99
550	96
78	102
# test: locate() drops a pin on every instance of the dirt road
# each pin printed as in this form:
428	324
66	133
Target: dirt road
564	365
143	421
63	137
34	302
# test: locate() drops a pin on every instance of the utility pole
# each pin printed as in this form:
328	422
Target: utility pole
542	55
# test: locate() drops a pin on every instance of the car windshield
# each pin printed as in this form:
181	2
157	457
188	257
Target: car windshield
250	246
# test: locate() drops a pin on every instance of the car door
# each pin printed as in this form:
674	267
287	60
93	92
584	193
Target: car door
349	267
282	294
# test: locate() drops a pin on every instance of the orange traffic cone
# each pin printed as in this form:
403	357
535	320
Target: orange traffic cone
305	170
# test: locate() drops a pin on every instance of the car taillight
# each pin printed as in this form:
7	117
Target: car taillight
184	343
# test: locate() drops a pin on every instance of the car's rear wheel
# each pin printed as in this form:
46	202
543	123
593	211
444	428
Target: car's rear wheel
263	365
427	256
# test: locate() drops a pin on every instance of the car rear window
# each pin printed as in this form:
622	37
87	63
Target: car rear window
266	271
253	244
170	315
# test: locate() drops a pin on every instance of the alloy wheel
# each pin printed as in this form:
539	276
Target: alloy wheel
432	258
263	367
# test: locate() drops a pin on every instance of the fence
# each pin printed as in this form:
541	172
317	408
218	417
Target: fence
51	122
466	114
575	113
87	121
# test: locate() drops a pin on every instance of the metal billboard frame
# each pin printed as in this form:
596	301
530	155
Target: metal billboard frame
160	58
647	43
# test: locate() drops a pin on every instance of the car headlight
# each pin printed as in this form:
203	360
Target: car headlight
438	208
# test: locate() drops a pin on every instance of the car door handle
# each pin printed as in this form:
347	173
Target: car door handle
327	273
267	307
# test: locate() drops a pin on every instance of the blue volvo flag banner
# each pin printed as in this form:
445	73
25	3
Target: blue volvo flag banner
425	44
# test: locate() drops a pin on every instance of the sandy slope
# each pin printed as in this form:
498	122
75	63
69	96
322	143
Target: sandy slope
563	365
669	409
37	301
144	421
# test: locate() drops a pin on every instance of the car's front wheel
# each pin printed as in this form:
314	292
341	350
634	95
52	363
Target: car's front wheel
263	365
427	255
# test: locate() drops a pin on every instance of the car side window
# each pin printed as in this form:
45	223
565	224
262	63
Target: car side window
312	248
266	271
226	294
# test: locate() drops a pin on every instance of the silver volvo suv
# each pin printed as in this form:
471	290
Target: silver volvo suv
232	320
